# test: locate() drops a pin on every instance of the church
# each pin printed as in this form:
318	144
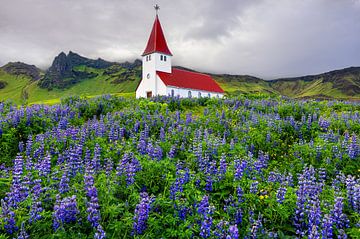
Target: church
160	78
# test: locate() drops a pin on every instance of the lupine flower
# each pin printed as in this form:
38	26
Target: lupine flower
314	219
221	229
239	168
64	182
280	195
100	233
22	233
234	232
205	211
65	211
254	187
9	218
327	227
338	217
142	211
222	167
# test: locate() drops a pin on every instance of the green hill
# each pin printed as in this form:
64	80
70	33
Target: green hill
73	74
343	83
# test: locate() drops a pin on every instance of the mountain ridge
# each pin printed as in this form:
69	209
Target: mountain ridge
72	71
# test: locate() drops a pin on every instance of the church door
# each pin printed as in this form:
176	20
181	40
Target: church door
148	94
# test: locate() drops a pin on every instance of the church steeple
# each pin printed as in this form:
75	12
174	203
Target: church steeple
157	41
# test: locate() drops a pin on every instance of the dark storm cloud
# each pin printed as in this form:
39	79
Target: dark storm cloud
267	38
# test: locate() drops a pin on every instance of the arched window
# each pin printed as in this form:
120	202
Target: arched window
199	94
164	58
172	93
189	94
161	57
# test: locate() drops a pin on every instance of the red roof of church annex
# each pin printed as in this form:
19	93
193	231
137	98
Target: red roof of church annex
157	42
189	80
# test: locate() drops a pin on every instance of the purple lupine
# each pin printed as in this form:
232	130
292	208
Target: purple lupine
222	167
16	196
65	211
353	147
205	211
93	211
233	232
142	211
96	159
9	218
182	177
338	217
109	165
280	195
172	152
45	166
327	227
254	187
128	166
240	194
239	169
209	183
353	193
221	229
64	181
36	206
100	233
314	219
256	226
22	232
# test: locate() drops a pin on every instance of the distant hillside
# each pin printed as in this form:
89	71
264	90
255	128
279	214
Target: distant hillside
73	74
243	84
22	69
343	83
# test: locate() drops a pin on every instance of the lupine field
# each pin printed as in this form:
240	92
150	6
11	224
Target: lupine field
251	167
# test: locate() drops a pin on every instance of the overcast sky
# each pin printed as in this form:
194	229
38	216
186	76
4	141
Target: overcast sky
265	38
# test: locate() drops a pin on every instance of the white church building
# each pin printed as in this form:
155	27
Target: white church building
160	78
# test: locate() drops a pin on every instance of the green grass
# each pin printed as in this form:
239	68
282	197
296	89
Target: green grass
86	88
243	86
14	87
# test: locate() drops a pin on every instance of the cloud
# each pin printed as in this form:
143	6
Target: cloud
265	38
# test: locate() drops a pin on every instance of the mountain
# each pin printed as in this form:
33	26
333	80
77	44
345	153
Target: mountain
72	74
20	68
62	72
344	83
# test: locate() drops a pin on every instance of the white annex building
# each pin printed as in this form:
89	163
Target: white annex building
160	78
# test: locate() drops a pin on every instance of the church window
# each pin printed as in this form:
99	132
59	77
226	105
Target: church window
161	57
189	94
172	93
164	58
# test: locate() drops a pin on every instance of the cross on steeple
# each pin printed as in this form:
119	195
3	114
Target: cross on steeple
157	8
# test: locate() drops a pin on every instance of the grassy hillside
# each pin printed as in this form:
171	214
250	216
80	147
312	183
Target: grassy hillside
21	89
14	87
341	84
94	86
235	84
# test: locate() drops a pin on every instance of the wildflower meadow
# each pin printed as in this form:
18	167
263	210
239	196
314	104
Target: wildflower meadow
248	167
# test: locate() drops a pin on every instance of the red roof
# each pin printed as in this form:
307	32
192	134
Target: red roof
190	80
157	42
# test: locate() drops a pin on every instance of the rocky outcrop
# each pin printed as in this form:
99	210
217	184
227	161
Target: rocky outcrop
62	72
20	68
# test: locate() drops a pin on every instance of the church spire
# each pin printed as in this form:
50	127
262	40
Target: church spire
157	41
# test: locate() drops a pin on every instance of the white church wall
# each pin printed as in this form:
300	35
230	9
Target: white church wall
162	65
150	82
184	93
